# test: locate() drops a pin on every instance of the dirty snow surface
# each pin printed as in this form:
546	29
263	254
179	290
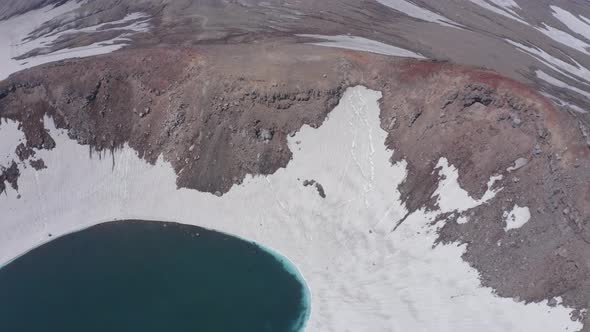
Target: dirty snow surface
503	7
362	275
413	10
575	71
363	44
15	38
579	25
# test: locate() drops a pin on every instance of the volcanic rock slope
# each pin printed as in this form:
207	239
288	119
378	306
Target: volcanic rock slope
497	89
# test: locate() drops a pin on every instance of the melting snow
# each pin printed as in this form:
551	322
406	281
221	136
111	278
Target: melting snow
363	44
15	31
564	38
411	9
362	276
451	197
564	103
9	134
575	71
579	25
140	25
505	4
517	217
560	84
462	220
502	7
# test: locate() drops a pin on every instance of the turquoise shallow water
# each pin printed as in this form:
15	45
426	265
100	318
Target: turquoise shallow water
151	276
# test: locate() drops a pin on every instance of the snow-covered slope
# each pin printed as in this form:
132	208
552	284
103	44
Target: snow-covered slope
363	44
363	276
411	9
16	39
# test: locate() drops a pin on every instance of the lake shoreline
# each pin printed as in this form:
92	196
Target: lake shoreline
121	229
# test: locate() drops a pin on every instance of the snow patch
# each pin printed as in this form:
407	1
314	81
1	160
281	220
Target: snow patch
502	7
363	44
571	106
451	197
10	137
506	4
562	103
560	84
517	217
579	25
493	180
575	71
462	220
139	24
15	29
16	39
411	9
362	276
564	38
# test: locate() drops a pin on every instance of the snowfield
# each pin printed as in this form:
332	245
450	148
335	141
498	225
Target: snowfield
362	275
15	38
517	217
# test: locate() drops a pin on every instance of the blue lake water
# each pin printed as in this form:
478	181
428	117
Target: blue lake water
151	276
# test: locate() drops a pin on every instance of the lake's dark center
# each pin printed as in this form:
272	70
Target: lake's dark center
150	276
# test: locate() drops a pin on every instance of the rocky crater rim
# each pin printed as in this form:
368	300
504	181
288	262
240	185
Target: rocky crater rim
218	114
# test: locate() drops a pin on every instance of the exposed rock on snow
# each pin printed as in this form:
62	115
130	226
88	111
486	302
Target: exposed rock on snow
20	48
517	217
9	175
451	197
578	24
231	70
318	187
204	104
362	276
411	9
